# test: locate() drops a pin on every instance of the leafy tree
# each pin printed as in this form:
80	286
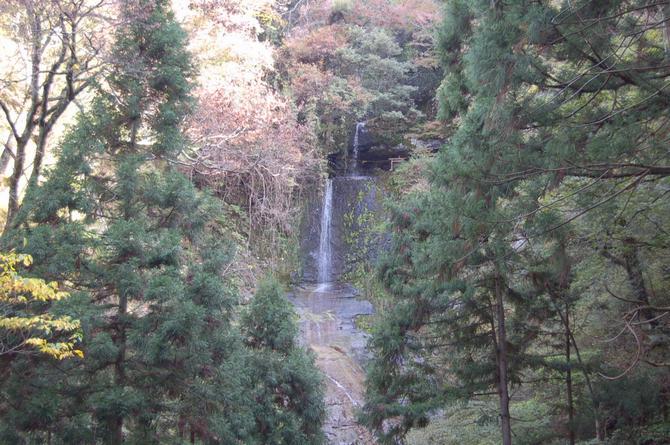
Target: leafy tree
351	61
247	145
59	44
555	155
23	325
375	58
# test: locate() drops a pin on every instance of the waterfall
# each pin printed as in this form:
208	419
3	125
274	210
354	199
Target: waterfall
325	243
349	185
359	127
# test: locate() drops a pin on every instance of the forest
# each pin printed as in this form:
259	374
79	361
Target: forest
348	222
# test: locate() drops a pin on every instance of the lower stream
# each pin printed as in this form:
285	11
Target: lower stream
328	327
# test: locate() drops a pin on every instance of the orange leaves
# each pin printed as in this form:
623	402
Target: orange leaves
230	15
308	81
238	110
403	15
406	15
319	45
327	62
244	115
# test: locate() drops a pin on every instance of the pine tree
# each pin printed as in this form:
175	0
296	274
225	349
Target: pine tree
452	266
556	127
287	389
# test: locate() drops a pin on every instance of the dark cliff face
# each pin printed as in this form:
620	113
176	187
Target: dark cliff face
356	205
373	154
376	154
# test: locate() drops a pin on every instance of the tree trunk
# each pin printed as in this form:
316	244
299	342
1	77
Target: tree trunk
119	367
568	379
23	139
14	183
600	436
116	431
6	155
503	389
43	111
181	427
38	160
636	278
665	12
630	261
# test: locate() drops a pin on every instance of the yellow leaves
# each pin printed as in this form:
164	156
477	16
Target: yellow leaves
38	331
43	323
15	289
59	351
530	90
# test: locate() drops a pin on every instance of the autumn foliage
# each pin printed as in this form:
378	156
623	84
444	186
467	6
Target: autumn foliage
249	146
359	60
23	327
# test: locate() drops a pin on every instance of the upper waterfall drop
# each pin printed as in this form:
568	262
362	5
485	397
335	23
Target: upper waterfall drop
359	127
325	257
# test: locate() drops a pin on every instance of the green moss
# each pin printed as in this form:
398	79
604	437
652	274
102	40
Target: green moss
364	323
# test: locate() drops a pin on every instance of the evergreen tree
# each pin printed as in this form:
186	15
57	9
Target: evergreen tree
287	389
143	251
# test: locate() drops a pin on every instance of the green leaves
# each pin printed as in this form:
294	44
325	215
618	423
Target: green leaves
127	230
270	321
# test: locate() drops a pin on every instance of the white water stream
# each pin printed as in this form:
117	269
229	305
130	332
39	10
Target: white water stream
325	255
359	127
325	258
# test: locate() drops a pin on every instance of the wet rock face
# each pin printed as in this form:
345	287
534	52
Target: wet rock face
372	153
328	328
376	154
355	200
309	241
365	138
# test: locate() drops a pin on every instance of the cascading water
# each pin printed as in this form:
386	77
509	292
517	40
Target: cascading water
354	163
325	243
